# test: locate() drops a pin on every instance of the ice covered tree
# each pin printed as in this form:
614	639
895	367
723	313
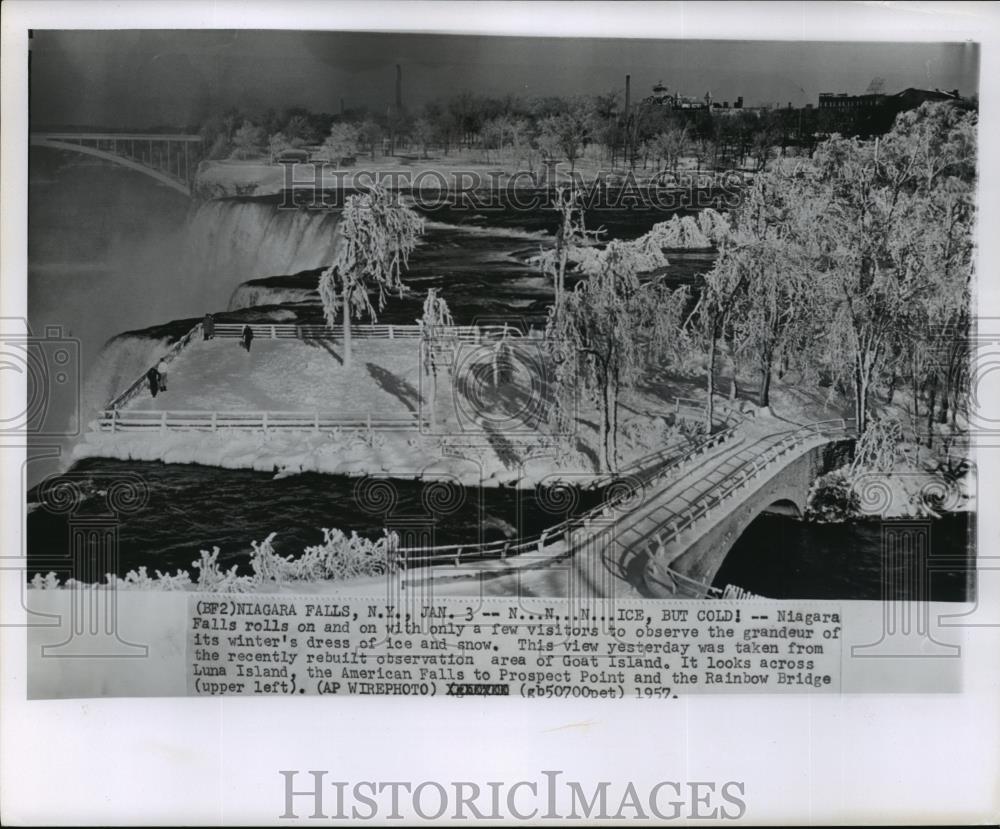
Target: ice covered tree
895	235
682	232
433	323
377	234
610	327
277	144
571	237
423	134
299	131
563	136
670	145
341	143
248	141
775	309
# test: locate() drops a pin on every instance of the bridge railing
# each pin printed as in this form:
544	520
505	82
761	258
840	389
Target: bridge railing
623	489
654	466
169	158
676	523
141	383
132	420
117	136
277	331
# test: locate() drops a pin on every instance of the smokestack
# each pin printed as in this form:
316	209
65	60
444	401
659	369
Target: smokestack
399	89
628	95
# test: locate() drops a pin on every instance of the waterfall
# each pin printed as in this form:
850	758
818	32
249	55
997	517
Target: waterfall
109	252
236	241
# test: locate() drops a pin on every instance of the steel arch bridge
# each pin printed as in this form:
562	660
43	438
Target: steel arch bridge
169	159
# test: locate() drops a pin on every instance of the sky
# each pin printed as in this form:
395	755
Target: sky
133	78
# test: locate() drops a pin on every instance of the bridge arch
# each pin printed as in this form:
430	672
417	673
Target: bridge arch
784	506
785	493
68	144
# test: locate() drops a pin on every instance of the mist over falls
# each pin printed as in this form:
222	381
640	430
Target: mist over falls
112	251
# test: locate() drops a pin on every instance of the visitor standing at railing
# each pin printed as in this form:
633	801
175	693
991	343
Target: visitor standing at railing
247	337
153	378
208	327
161	371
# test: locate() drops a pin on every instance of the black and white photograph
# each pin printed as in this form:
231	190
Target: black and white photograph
392	362
682	330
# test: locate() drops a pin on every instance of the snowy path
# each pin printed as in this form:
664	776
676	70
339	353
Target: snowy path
291	375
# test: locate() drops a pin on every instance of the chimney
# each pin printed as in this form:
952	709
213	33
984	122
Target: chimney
399	89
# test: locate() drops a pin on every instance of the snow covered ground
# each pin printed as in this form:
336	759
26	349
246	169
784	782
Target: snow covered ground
482	434
291	375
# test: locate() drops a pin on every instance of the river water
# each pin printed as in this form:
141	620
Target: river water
784	558
188	508
109	251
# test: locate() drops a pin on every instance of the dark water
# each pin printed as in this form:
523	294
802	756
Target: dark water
489	278
192	508
624	213
783	558
485	277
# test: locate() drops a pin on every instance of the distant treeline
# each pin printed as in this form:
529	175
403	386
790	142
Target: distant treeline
531	131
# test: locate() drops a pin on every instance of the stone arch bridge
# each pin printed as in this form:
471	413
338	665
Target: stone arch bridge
669	537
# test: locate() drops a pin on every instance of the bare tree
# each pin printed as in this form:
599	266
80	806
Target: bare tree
876	86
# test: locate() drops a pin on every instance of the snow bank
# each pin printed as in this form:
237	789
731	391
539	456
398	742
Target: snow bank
389	454
222	179
497	232
905	492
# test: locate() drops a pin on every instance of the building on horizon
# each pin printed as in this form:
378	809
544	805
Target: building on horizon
909	98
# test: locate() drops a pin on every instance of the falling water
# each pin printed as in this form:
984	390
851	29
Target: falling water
110	251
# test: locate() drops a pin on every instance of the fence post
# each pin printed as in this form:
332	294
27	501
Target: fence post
274	333
369	419
392	335
264	420
163	421
215	421
316	422
114	420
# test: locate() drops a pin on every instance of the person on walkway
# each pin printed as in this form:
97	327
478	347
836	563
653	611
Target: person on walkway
247	337
154	381
208	327
161	370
